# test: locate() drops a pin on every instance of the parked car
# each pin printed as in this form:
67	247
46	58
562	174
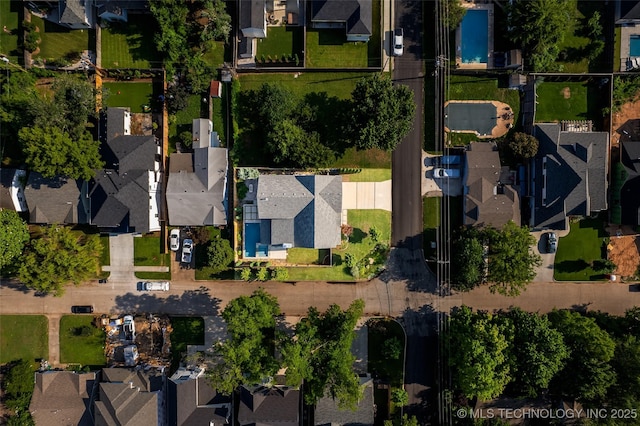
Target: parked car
552	242
129	328
82	309
174	239
155	285
440	173
187	250
398	42
103	281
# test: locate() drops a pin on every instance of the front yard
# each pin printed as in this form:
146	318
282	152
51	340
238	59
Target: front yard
23	336
146	252
81	342
586	243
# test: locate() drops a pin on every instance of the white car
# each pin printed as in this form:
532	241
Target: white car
155	285
187	250
129	328
174	239
398	42
440	173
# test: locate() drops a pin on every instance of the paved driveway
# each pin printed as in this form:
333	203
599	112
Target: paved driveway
366	195
544	272
121	254
438	187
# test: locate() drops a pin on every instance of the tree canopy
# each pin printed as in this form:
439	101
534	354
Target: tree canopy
381	113
220	254
14	233
467	266
454	14
523	146
57	257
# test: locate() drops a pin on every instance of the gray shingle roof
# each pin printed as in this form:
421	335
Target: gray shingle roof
148	381
327	412
73	12
55	200
195	402
630	192
487	201
122	404
253	21
312	203
576	175
61	398
196	194
275	406
356	14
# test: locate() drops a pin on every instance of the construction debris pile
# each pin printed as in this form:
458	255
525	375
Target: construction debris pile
135	341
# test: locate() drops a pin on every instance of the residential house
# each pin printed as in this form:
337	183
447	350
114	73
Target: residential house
489	199
118	10
62	398
293	211
76	14
269	406
569	174
126	194
253	26
355	16
129	397
328	413
192	401
627	19
196	189
12	183
627	12
630	192
56	200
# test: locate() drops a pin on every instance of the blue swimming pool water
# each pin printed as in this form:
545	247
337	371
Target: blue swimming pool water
251	238
634	45
474	37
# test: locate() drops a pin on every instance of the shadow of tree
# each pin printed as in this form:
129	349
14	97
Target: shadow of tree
191	302
571	265
357	236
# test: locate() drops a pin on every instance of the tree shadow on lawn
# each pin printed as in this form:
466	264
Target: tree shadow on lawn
357	236
570	266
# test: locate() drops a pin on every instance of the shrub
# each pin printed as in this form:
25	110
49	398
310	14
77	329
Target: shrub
263	274
245	274
392	348
399	397
280	274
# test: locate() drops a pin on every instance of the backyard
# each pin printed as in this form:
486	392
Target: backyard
81	342
60	43
339	85
470	88
561	101
586	242
130	44
23	336
10	12
281	41
183	121
132	95
186	331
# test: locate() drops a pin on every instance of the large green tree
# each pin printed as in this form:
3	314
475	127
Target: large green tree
320	355
480	356
220	254
523	146
75	100
539	352
625	393
381	113
57	257
248	355
13	236
467	266
587	373
18	387
51	151
512	263
291	145
453	13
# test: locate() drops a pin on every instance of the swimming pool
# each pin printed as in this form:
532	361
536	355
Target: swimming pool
474	37
252	248
634	45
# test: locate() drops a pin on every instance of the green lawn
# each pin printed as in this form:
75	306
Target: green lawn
146	252
281	40
153	275
184	120
561	101
132	95
105	256
80	341
471	88
130	44
386	368
368	175
579	249
616	49
59	42
186	331
370	158
430	222
10	17
23	336
328	48
217	55
301	255
339	84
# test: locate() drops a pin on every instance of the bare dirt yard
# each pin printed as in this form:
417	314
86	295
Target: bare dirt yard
628	111
623	251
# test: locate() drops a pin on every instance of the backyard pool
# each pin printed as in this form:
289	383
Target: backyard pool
474	37
634	45
252	248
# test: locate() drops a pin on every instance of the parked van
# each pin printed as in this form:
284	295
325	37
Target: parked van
156	285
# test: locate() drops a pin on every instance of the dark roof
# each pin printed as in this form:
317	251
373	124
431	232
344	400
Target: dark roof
576	175
303	210
61	398
6	181
487	200
328	413
629	10
125	404
355	13
149	381
55	200
73	12
195	402
275	406
629	194
118	7
253	21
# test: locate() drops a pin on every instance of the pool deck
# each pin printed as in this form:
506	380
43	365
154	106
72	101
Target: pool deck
625	54
476	65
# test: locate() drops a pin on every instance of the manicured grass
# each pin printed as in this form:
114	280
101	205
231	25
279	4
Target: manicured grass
280	41
153	275
471	88
368	175
386	368
217	55
132	95
431	211
616	49
23	336
80	341
335	273
370	158
585	243
186	331
105	256
339	85
10	18
301	255
184	120
146	252
461	139
130	44
58	41
561	101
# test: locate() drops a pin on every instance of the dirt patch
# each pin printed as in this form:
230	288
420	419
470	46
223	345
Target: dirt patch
566	93
628	111
623	251
141	124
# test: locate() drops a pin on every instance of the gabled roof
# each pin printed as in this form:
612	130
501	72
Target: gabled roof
487	200
575	166
355	13
630	192
253	22
327	412
149	381
61	398
122	404
73	12
275	406
302	210
629	11
55	200
192	401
